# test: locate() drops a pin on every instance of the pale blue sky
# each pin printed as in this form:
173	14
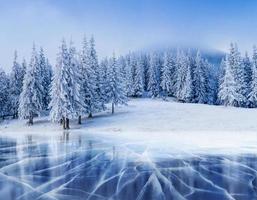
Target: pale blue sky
123	25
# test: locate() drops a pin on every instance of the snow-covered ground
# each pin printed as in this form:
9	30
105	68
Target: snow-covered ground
158	122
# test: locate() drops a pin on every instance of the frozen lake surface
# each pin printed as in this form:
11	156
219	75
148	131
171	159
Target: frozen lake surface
84	166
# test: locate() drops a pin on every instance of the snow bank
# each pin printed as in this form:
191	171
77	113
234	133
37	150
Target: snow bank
161	123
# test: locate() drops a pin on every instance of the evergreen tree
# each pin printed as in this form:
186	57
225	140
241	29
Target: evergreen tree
146	67
30	102
65	88
235	62
104	79
182	65
253	93
166	79
212	82
96	79
187	90
200	80
247	82
228	93
154	84
76	84
16	81
46	76
89	79
4	94
129	75
116	93
138	79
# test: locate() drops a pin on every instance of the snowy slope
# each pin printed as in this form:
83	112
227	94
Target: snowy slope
160	122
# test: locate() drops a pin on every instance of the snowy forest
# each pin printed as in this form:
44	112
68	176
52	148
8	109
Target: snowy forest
80	84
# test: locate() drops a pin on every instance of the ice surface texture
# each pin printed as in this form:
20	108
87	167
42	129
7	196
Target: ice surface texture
84	167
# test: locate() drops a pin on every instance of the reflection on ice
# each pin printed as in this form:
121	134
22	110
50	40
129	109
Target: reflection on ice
84	167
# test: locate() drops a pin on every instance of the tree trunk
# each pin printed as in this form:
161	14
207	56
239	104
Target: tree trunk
67	123
90	115
63	123
30	120
112	108
79	120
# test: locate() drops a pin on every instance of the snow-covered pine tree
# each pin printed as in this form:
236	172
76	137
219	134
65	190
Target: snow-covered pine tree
212	82
146	65
166	78
253	93
104	79
228	93
5	103
65	88
138	86
30	102
247	65
235	62
221	75
187	90
89	86
46	76
154	84
116	92
122	63
76	84
182	63
93	61
55	105
132	67
16	81
200	80
129	75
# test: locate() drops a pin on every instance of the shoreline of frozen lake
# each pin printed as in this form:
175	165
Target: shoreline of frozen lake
161	123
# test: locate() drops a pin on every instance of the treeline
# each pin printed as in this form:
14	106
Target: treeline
80	84
238	79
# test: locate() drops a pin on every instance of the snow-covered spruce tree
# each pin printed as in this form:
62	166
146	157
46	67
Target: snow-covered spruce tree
200	80
4	94
187	90
138	79
76	84
228	93
166	78
116	93
129	75
146	65
93	61
65	88
122	63
89	78
221	75
104	79
235	62
247	65
30	102
16	81
182	63
136	67
154	76
46	75
212	82
253	92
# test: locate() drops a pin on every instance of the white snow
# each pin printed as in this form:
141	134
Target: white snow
162	123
